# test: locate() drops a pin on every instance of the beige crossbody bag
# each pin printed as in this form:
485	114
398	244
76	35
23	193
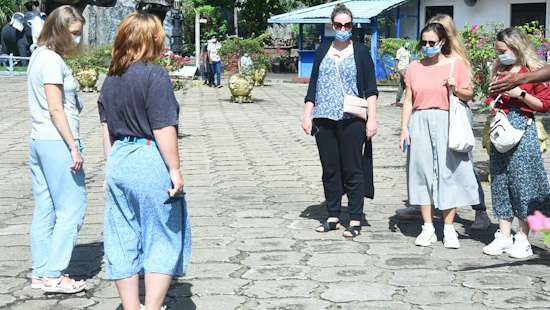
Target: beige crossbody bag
353	105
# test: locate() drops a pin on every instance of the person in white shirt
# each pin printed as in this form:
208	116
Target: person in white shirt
58	180
215	60
403	57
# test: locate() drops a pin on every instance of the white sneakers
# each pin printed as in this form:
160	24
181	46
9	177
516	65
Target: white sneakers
521	248
516	247
427	236
450	237
500	245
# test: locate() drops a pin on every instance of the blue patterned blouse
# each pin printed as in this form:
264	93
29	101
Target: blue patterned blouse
329	100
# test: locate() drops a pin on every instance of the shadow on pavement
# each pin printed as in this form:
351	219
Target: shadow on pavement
86	260
412	227
319	212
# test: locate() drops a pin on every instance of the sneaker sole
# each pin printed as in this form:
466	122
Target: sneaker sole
494	253
451	246
432	241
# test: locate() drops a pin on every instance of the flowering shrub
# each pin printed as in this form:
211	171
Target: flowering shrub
172	62
479	42
539	223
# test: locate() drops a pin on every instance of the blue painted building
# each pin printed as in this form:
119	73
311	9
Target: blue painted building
366	14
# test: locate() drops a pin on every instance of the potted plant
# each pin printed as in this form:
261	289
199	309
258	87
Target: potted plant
241	86
172	63
87	64
260	69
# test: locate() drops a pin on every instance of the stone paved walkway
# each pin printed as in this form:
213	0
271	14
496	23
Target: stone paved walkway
253	181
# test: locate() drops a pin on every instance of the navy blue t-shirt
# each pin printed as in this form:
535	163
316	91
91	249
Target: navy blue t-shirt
138	101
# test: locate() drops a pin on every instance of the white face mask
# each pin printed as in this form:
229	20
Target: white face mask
507	59
76	39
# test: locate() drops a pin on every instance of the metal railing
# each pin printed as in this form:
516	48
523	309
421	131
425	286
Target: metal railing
12	61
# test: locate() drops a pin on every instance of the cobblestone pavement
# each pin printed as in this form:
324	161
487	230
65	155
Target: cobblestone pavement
253	181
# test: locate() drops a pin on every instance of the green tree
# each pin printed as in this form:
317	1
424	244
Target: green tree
7	8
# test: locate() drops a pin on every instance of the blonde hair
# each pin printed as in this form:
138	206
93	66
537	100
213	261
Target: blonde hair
523	48
56	35
457	47
140	36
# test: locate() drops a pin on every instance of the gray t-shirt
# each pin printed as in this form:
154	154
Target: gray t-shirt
47	67
138	101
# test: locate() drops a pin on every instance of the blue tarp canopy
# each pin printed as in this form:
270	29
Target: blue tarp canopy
363	11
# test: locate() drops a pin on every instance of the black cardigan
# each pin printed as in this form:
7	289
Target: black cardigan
366	77
366	86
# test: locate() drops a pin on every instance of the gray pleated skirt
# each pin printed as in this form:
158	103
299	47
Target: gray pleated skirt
437	175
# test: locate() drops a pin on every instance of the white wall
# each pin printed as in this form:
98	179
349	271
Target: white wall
408	12
485	11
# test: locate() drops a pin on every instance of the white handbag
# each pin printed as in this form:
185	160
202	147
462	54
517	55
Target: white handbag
461	135
503	135
352	104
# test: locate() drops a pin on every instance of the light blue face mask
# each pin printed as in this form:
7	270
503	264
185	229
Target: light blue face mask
342	36
431	51
507	59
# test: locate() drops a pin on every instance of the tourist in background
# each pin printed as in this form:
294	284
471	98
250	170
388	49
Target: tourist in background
342	66
437	176
146	224
215	61
55	153
519	183
403	58
481	220
205	65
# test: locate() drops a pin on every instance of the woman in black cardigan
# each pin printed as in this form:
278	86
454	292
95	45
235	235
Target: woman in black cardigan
344	141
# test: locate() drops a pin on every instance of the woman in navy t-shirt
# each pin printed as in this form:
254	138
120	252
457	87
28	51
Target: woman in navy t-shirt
146	225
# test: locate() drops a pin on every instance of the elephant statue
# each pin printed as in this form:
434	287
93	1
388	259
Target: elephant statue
20	35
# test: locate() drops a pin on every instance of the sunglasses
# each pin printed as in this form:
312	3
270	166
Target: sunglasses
430	43
339	26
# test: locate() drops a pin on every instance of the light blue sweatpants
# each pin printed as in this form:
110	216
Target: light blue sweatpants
60	205
142	234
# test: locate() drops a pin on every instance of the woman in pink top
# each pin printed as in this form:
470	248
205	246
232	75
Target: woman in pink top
437	176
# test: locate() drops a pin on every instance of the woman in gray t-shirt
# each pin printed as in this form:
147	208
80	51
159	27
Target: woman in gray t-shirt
55	158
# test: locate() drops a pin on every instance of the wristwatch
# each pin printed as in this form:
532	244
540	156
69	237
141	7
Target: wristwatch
523	94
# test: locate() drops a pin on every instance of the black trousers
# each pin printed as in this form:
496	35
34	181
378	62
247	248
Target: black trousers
340	145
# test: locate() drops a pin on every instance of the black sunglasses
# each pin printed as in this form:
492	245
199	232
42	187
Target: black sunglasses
430	43
339	26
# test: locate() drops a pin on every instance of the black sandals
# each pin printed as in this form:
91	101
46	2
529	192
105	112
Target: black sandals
328	226
353	230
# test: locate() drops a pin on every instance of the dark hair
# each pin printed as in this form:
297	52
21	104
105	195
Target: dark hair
438	29
340	9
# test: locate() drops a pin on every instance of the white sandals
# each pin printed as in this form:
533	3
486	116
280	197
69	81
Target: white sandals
58	287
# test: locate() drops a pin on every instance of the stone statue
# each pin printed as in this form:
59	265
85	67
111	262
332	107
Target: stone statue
157	7
20	35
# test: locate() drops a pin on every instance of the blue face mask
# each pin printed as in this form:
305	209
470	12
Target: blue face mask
431	51
342	36
507	59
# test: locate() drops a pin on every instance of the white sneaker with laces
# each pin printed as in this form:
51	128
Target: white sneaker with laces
426	237
521	247
498	246
482	221
450	237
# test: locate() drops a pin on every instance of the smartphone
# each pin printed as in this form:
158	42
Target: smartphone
314	130
405	146
177	197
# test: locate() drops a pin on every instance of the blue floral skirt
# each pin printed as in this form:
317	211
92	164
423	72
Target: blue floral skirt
519	184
